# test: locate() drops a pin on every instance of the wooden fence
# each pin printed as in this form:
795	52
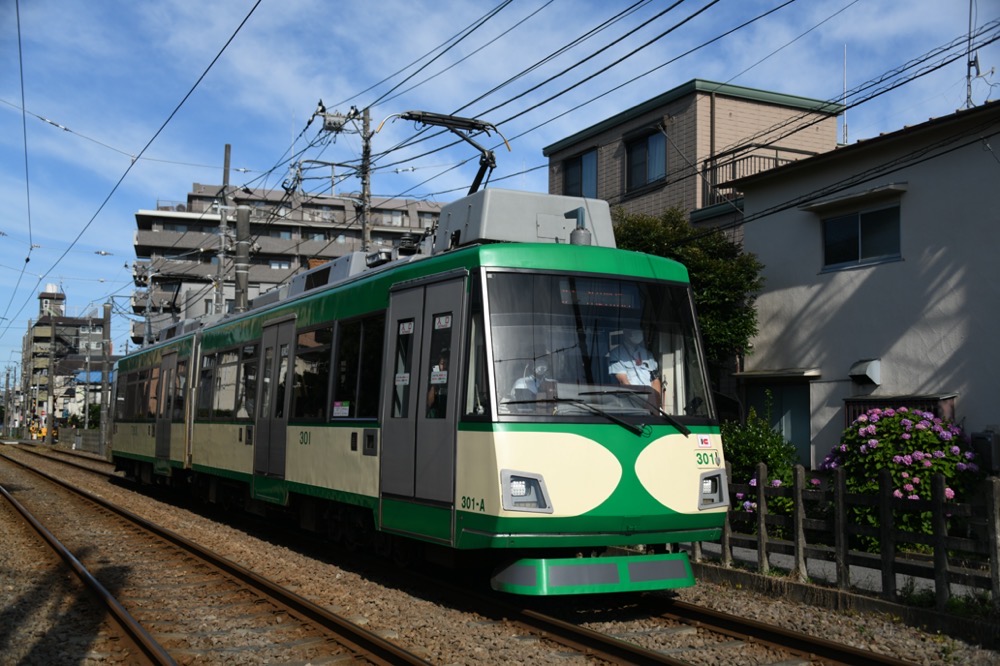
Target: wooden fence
963	547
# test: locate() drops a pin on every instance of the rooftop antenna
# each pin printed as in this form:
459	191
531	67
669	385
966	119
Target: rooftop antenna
845	94
973	62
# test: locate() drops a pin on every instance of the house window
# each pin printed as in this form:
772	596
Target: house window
580	175
280	264
647	160
861	238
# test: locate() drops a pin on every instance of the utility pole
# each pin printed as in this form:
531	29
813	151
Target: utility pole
366	173
220	277
86	385
334	122
6	402
105	376
50	420
242	257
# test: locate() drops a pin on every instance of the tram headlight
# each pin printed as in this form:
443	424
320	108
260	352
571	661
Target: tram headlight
524	491
714	490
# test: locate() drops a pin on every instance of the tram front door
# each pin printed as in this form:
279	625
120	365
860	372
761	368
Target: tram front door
420	405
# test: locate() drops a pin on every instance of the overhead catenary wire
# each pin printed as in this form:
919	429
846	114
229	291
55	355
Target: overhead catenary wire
139	154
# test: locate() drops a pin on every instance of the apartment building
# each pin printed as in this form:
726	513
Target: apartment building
683	147
179	245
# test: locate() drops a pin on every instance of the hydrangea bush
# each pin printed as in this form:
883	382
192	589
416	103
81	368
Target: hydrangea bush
752	442
914	446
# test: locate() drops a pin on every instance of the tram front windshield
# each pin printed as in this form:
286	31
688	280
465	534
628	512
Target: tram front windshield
569	346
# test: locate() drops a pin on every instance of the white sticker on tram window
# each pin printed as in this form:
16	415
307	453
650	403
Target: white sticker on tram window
406	328
442	321
403	379
341	408
704	442
439	377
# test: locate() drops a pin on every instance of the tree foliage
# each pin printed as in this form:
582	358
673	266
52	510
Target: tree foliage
725	279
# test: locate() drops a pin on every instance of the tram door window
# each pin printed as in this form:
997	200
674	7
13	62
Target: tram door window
162	403
246	388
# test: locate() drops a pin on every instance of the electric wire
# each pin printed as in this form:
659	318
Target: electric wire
141	152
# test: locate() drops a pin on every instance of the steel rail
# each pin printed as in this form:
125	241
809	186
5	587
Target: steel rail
822	649
148	645
351	635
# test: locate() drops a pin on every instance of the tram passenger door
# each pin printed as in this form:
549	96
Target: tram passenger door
272	415
164	388
420	399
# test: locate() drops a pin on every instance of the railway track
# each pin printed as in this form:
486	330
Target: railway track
647	629
653	629
181	601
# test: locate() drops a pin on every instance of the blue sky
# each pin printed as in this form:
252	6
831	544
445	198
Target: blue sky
108	74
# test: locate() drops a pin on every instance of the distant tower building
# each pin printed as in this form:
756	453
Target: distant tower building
51	302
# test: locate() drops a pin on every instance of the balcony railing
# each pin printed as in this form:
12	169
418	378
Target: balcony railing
733	165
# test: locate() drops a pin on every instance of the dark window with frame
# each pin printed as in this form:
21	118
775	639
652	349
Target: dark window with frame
580	175
224	398
647	160
860	238
312	373
206	379
152	395
358	373
246	390
121	394
180	392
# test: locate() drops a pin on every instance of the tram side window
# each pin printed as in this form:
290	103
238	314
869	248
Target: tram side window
206	378
246	392
477	390
121	393
312	373
152	395
224	399
135	401
180	392
358	377
372	351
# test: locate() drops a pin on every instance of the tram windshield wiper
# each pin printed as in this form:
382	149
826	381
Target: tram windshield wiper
637	429
633	393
